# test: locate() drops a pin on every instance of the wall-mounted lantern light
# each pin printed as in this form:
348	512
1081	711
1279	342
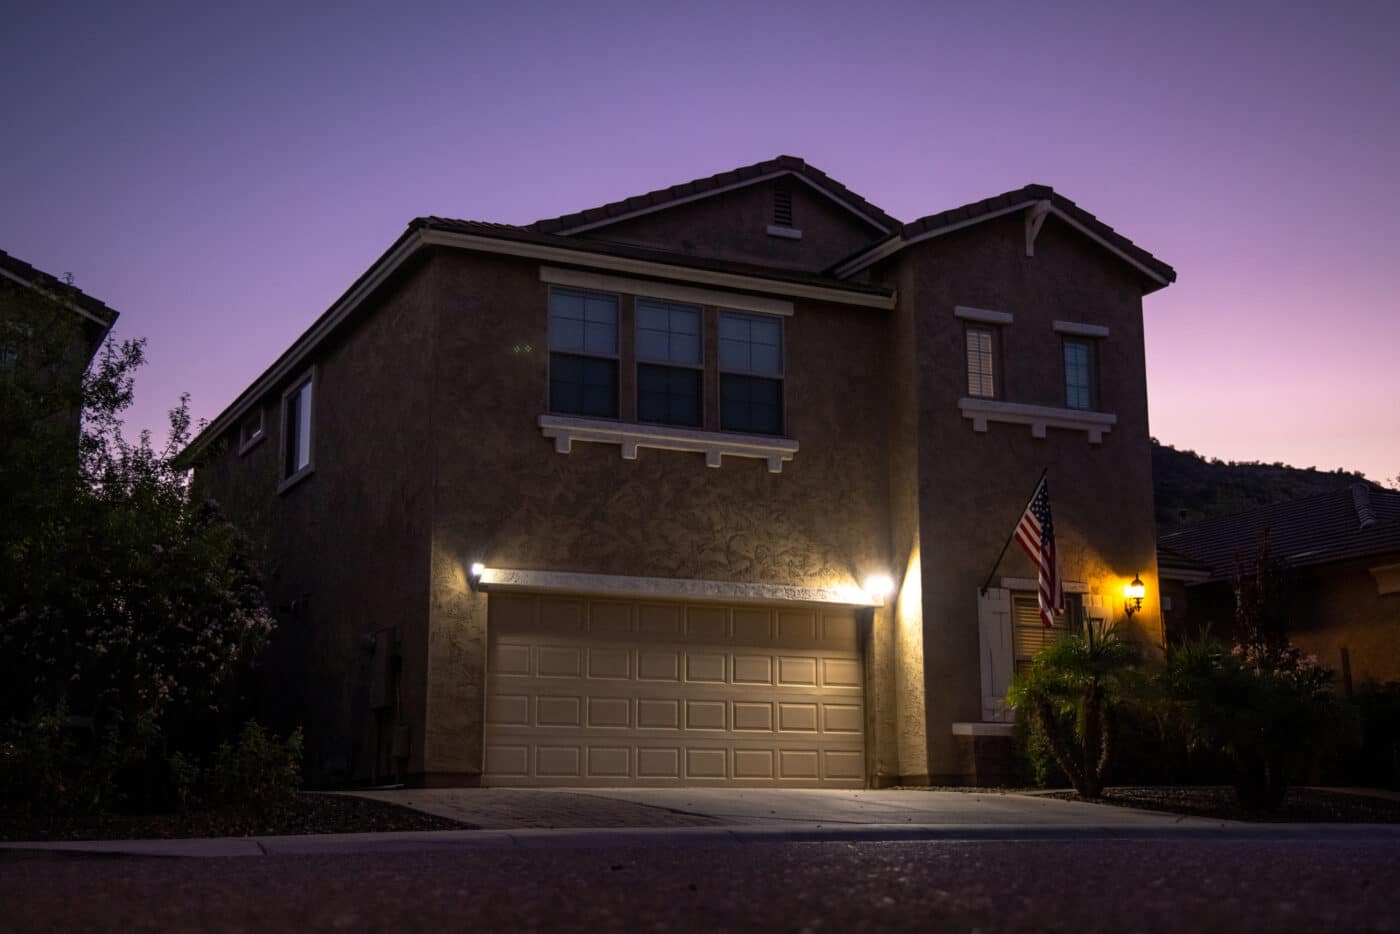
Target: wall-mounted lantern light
1135	591
878	586
474	575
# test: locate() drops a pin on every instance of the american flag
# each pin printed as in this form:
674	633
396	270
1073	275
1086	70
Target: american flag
1036	533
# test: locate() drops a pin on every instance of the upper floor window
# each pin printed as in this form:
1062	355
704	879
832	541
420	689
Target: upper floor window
250	431
583	353
981	362
297	427
670	378
1080	379
751	373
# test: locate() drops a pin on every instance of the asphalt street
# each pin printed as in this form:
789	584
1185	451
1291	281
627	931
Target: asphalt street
1080	885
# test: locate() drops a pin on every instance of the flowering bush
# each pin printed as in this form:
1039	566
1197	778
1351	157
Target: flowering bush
126	604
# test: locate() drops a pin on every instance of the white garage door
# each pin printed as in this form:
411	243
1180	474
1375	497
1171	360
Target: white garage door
584	691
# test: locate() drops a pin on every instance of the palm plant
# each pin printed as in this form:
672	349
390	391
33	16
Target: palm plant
1071	692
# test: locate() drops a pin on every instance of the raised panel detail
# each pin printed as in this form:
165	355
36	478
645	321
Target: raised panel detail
797	628
609	663
844	764
801	718
508	760
704	667
704	715
751	715
798	764
609	712
658	665
555	662
512	612
609	762
797	671
511	660
839	632
706	763
706	624
753	669
510	709
561	617
659	763
557	761
557	711
658	621
840	672
753	763
610	619
655	714
753	626
842	718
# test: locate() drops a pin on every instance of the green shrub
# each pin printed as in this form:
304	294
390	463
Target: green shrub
1070	698
261	772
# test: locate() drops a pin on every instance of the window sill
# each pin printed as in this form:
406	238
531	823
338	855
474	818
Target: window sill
296	478
565	430
251	443
1039	417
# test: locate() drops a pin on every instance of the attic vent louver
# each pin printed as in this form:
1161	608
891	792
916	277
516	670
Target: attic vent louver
1361	499
782	206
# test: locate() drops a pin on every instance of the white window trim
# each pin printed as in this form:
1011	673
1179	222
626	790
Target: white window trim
644	288
715	445
982	314
787	233
309	377
1039	417
1080	329
247	444
1387	578
668	588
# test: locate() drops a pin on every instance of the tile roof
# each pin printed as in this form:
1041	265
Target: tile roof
45	282
988	206
607	248
1356	522
662	196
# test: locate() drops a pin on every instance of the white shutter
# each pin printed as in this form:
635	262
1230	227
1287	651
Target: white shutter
997	660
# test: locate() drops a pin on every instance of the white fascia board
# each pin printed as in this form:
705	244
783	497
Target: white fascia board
660	270
47	294
668	588
1080	329
579	279
983	315
735	186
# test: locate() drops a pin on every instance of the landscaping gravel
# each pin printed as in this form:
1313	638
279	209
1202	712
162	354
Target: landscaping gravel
1309	805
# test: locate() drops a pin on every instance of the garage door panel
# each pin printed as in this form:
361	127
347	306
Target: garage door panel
653	693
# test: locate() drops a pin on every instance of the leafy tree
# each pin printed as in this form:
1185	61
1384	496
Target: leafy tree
1071	693
126	604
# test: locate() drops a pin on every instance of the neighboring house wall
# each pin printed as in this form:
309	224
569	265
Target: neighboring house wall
972	486
734	226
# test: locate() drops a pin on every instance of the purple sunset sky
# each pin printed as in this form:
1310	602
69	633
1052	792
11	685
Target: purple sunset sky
220	174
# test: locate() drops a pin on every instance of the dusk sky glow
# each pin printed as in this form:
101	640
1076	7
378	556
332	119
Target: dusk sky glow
221	174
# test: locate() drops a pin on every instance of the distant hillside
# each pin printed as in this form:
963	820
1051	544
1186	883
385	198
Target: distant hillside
1189	487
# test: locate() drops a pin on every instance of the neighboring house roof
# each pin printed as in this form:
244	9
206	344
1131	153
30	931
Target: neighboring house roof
1360	521
713	185
17	270
1021	199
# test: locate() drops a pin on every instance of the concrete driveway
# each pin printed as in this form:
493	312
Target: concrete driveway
517	808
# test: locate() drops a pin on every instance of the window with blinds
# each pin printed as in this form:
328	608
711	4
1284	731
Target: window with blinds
1029	635
981	379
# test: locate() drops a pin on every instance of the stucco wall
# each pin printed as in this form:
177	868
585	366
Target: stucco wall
504	497
345	551
734	226
972	486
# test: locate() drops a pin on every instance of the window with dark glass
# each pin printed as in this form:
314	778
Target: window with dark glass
1079	374
751	373
670	378
296	429
1028	632
582	353
981	362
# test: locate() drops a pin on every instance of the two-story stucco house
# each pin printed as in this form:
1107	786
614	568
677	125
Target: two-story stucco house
700	487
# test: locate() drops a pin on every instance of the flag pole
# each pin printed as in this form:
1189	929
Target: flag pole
1001	554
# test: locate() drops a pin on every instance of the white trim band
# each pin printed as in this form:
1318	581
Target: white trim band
668	588
983	315
565	430
1031	584
787	233
1039	417
577	278
984	729
1081	329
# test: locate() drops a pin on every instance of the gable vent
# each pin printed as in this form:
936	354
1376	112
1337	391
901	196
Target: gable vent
782	206
1361	499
